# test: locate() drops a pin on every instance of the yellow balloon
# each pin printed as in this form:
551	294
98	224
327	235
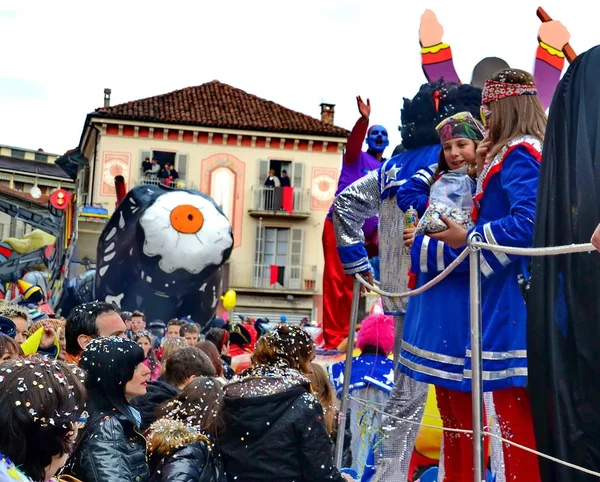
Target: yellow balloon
229	300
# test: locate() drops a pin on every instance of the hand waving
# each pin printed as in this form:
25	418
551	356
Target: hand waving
364	109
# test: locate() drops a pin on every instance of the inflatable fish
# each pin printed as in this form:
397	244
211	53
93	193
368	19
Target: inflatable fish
162	253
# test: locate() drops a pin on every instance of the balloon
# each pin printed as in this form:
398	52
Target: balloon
225	316
229	300
283	318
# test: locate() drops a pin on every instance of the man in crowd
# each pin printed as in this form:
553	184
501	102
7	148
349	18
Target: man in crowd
181	368
191	333
89	321
174	328
138	322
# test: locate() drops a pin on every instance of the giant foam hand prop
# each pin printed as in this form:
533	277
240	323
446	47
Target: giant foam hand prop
431	31
162	252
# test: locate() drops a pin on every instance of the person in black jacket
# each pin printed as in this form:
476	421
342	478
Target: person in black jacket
181	368
182	441
274	427
111	447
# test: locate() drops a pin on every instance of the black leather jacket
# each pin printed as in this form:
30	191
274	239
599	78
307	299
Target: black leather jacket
110	450
275	430
191	463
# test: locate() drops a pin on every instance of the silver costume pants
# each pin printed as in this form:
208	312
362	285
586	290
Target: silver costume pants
397	440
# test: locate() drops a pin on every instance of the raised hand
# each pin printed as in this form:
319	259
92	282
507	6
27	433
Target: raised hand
364	109
431	31
554	34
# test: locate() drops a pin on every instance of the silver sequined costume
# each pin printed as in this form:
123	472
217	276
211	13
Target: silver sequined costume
370	196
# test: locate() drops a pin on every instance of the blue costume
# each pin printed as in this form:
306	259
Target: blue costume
506	197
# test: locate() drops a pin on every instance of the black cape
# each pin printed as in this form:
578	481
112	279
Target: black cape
564	302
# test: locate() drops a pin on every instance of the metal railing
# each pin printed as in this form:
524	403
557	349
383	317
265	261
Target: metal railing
175	184
268	198
258	276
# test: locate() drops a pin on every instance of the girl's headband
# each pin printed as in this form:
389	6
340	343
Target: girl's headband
494	90
462	125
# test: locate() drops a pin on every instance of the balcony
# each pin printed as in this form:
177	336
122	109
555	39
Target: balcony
267	201
176	184
257	278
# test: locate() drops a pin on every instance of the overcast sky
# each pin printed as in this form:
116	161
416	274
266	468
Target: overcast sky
57	56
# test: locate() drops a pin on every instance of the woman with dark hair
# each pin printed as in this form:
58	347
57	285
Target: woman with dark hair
145	339
209	348
182	441
41	403
111	447
274	425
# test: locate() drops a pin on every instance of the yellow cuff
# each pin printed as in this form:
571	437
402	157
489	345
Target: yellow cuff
552	50
435	49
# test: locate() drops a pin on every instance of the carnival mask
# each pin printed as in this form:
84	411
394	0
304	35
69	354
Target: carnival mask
377	138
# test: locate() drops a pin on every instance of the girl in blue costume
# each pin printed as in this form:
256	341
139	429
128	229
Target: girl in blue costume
508	173
436	331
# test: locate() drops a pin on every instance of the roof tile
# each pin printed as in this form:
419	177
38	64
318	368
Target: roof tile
215	104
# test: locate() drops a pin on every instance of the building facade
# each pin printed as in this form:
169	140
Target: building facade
22	170
223	142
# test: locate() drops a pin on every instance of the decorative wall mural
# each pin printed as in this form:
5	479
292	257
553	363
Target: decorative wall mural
322	188
114	164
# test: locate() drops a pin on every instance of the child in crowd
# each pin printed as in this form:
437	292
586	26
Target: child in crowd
145	339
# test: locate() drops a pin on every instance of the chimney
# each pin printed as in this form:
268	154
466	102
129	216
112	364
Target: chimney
107	93
327	113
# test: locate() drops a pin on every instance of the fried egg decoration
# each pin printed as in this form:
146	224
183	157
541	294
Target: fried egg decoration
162	253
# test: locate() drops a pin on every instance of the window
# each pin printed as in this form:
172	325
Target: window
18	153
178	160
19	186
282	248
294	170
41	157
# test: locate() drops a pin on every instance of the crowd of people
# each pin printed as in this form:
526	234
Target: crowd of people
101	396
165	174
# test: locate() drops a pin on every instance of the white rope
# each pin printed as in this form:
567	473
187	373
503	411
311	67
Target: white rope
485	432
451	267
550	251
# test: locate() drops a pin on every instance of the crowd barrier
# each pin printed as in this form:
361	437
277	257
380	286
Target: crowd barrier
480	430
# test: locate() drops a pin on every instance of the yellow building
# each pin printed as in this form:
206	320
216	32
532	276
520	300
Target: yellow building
20	171
223	141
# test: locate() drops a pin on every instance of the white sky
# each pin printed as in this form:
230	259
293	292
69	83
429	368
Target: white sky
57	56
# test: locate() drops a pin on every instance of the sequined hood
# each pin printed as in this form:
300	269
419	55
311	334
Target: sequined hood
265	380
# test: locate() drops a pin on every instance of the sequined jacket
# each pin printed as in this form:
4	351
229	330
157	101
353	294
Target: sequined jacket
111	449
363	199
275	430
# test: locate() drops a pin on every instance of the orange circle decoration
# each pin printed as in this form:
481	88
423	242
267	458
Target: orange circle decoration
187	219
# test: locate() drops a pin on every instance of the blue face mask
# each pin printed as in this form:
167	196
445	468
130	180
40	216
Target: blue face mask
377	139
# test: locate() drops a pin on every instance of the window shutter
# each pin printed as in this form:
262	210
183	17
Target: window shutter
258	270
263	172
145	154
182	165
298	178
296	257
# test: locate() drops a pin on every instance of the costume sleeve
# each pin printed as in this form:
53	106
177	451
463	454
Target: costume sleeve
415	191
519	179
438	64
549	63
355	141
351	208
428	255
